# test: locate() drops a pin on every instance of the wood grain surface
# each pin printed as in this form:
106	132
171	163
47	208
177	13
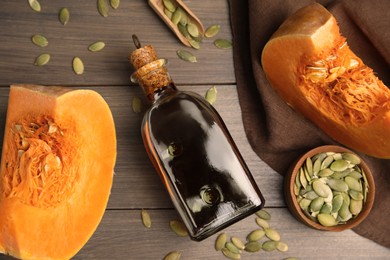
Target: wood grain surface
121	234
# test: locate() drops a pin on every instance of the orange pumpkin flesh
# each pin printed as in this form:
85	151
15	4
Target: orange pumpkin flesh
312	68
57	168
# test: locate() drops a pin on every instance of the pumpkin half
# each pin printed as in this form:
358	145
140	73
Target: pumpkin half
57	167
311	66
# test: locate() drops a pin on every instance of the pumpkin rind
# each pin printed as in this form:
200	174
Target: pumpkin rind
70	155
312	68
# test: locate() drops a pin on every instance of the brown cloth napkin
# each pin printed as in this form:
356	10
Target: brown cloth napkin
277	133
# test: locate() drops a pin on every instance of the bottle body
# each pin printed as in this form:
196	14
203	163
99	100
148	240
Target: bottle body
206	177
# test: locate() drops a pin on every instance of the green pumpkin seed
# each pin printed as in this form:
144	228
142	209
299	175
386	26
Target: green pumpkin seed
310	195
136	104
256	235
304	203
211	95
325	172
353	184
356	195
226	252
220	241
35	5
168	13
317	204
262	223
326	208
269	245
339	165
317	166
174	255
326	220
193	29
237	242
352	158
327	161
178	227
272	234
184	17
223	44
194	43
282	247
356	206
263	214
115	3
176	16
78	66
168	4
337	156
146	218
186	56
64	15
212	31
253	247
39	40
337	202
302	178
296	189
344	212
96	46
183	30
42	59
309	166
321	188
232	248
102	7
340	175
307	175
337	185
355	174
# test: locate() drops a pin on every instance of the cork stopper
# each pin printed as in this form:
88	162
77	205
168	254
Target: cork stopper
151	73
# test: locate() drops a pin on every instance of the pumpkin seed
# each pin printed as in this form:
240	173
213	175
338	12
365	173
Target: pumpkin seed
212	30
220	241
340	175
326	208
96	46
78	66
337	156
168	4
193	29
317	166
263	214
325	172
337	185
282	247
223	44
321	188
211	95
232	248
344	212
253	247
39	40
256	235
269	245
184	17
352	158
42	59
174	255
262	223
194	44
356	206
326	220
237	242
115	3
102	7
146	218
35	5
272	234
302	178
309	166
186	56
176	16
317	204
183	30
64	15
230	254
327	161
339	165
355	174
310	195
337	202
304	203
168	13
353	184
178	227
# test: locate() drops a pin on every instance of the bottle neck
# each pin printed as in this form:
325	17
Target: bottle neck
162	92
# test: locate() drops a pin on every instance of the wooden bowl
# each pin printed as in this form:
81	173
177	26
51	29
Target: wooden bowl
291	198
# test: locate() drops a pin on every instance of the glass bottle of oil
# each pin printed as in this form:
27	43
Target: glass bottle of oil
190	147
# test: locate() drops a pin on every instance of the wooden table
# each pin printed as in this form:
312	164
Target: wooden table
121	234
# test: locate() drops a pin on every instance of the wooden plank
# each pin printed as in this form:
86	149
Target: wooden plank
109	67
136	184
121	235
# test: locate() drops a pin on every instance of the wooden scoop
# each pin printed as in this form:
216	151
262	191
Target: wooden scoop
158	7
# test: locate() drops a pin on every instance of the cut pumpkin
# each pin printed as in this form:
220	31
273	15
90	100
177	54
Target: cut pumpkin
57	168
311	66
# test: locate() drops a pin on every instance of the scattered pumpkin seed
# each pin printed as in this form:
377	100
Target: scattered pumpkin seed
78	66
42	59
262	223
35	5
39	40
96	46
178	227
272	234
269	245
232	248
168	4
115	3
226	252
223	44
64	15
102	6
238	243
253	246
174	255
186	56
212	30
256	235
263	214
136	104
220	241
146	218
194	44
282	247
211	95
